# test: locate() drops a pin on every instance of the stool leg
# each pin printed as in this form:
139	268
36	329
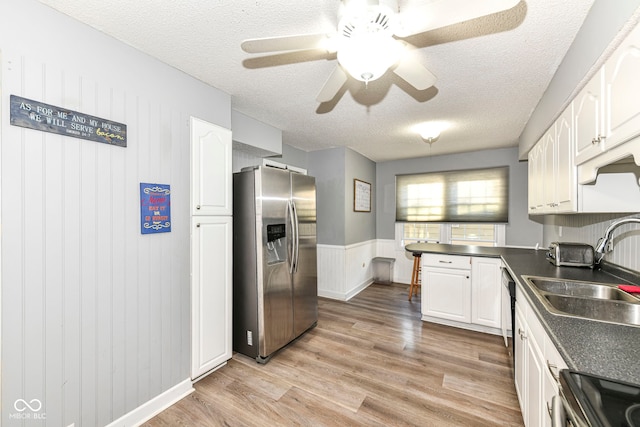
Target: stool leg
415	277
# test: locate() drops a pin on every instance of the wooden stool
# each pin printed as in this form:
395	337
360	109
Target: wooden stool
415	276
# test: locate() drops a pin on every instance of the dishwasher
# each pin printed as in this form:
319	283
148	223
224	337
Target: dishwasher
508	310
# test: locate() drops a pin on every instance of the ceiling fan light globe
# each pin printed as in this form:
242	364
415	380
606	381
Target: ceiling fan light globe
368	57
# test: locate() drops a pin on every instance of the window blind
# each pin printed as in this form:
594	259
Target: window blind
475	195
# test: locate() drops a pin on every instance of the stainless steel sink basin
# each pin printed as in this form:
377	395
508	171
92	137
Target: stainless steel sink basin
582	289
591	300
598	309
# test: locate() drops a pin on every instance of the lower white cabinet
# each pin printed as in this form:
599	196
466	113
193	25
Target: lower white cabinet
211	293
462	291
446	293
486	293
537	365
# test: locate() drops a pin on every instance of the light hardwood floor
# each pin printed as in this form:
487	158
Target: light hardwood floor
369	362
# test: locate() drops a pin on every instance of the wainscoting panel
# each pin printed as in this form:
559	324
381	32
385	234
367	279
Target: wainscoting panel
343	271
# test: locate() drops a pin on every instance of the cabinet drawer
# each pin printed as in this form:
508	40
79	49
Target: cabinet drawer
447	261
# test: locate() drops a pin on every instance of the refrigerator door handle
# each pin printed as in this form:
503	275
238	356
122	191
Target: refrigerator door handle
297	238
292	238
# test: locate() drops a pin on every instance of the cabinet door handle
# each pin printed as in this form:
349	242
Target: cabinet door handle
553	369
521	333
597	140
444	262
198	207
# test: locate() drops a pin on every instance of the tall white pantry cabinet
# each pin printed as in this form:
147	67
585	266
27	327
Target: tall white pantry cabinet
211	247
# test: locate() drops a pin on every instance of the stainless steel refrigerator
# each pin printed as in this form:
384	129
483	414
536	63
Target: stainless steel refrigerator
275	290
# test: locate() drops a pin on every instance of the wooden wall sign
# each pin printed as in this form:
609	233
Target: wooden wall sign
155	208
36	115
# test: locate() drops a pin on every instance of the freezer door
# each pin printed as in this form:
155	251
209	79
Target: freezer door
275	311
305	277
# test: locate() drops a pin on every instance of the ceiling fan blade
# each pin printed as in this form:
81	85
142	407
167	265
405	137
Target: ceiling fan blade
442	13
278	44
415	73
333	84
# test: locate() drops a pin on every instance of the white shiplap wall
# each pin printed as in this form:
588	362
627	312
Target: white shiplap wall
589	228
95	316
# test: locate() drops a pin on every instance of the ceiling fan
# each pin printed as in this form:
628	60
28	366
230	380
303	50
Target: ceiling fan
368	39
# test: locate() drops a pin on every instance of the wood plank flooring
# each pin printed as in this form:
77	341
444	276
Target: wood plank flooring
369	362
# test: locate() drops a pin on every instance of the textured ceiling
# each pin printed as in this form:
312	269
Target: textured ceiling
491	71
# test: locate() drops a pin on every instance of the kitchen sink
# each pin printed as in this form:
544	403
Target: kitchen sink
591	300
582	289
598	309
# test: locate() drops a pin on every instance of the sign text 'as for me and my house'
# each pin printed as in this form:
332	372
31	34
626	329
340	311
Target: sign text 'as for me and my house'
48	118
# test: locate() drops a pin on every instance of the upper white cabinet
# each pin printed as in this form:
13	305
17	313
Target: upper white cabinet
607	114
211	189
607	109
536	184
565	199
588	160
589	122
622	91
552	173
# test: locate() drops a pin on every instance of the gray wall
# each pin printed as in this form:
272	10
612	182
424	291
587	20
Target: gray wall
604	21
359	226
95	316
328	166
521	231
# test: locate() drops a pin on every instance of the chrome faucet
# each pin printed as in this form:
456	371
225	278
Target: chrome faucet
604	244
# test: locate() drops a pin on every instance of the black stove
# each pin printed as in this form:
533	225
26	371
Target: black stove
596	401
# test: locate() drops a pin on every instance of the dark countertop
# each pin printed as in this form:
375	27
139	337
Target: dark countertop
599	348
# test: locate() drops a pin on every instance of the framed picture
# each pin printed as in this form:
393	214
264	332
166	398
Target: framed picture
361	196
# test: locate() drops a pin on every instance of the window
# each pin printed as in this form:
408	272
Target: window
458	234
475	196
474	234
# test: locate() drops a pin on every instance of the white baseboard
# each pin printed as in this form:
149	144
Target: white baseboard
332	295
341	296
462	325
153	407
353	292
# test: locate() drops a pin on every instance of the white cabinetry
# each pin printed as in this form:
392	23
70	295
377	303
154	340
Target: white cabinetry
588	111
618	132
552	174
608	109
462	291
536	367
446	287
536	184
211	188
486	293
565	197
211	294
211	247
596	141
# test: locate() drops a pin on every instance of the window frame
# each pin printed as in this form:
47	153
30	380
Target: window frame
445	235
